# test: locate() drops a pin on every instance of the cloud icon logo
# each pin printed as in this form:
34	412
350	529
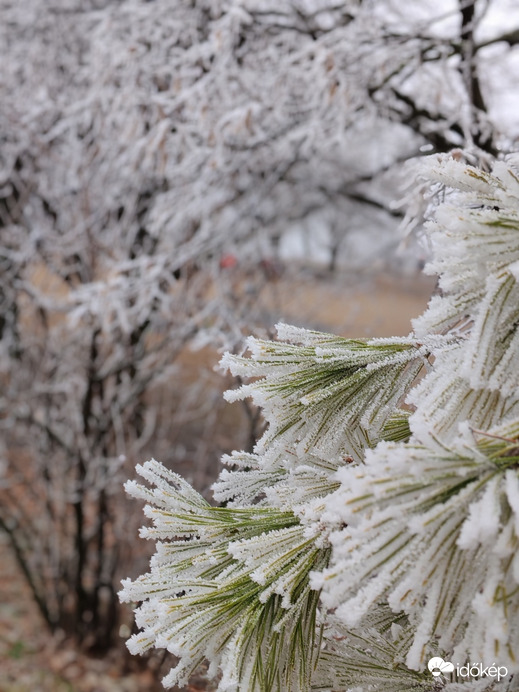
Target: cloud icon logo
437	666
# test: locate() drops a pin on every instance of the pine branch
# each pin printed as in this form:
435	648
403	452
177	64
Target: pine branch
327	394
376	524
231	585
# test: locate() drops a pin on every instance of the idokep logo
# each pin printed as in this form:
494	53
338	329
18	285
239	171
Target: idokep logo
438	666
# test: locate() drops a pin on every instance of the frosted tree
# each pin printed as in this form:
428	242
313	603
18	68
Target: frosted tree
208	127
370	541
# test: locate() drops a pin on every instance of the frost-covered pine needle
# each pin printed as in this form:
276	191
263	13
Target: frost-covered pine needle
376	524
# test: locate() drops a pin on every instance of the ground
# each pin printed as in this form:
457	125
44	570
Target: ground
33	661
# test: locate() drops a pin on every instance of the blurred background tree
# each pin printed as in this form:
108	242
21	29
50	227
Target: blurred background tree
159	164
